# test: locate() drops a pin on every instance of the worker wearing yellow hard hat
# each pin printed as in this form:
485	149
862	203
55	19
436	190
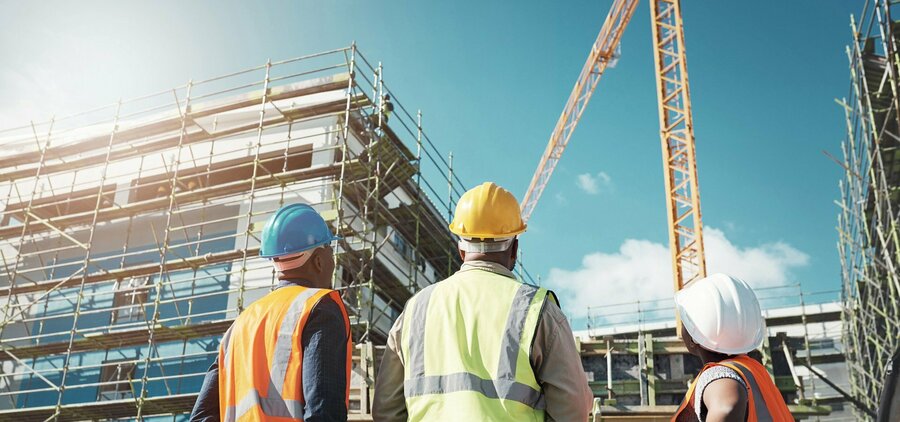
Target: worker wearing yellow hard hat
481	345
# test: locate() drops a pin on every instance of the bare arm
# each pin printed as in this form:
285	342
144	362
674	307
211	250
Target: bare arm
725	400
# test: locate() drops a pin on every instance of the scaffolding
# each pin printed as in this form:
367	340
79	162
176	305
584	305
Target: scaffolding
637	367
869	235
130	232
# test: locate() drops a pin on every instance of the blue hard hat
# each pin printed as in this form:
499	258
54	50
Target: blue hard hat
293	229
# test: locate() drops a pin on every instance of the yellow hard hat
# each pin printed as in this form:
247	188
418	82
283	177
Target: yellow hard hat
487	211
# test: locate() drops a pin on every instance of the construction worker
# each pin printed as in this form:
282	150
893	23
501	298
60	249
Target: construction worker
480	345
287	356
722	324
387	108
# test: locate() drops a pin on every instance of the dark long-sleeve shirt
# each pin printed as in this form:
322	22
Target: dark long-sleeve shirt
324	345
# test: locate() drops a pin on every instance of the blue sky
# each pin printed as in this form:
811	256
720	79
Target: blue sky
491	79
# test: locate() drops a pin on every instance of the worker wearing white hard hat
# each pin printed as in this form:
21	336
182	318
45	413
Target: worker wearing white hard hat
722	324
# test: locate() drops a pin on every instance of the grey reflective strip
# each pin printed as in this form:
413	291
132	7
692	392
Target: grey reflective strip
284	343
464	381
417	333
271	406
226	343
512	333
759	403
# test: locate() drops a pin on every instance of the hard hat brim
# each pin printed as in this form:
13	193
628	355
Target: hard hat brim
322	243
462	233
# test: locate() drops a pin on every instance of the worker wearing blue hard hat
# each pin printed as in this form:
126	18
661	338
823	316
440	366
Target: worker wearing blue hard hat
288	355
294	235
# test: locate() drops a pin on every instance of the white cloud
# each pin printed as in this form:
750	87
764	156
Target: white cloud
593	184
560	198
641	270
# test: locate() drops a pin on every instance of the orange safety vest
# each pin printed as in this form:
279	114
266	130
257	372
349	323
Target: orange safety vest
764	401
261	358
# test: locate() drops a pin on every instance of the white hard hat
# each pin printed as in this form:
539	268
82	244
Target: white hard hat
721	314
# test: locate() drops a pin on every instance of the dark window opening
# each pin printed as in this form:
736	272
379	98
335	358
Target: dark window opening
115	380
129	299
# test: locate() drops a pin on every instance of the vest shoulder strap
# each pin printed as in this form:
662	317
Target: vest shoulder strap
756	399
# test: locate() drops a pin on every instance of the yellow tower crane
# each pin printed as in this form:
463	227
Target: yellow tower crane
675	123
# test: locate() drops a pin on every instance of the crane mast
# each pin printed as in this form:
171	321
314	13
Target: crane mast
676	131
675	123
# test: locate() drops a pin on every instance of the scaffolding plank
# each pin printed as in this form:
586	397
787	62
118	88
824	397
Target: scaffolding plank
173	123
113	338
133	271
137	148
181	198
105	410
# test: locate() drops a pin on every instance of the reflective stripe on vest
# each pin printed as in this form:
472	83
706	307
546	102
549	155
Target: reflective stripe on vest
274	403
504	385
271	406
759	404
761	407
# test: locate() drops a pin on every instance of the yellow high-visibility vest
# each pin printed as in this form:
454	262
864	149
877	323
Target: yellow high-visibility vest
261	359
466	345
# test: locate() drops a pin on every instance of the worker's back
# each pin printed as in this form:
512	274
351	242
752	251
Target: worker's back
466	342
260	361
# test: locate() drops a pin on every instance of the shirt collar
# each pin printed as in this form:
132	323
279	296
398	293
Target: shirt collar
289	282
488	266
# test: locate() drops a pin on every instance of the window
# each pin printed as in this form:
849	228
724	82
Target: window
403	248
115	380
129	299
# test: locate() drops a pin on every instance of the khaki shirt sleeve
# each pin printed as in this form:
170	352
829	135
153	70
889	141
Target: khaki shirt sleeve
388	403
557	367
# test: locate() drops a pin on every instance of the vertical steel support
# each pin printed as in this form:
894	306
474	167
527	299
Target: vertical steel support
650	370
164	250
87	261
417	256
345	133
609	370
806	347
642	368
450	209
677	136
249	230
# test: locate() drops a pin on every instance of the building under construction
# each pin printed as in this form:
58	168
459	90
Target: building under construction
869	223
130	233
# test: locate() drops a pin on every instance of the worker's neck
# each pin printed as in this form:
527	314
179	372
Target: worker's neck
501	258
708	356
303	278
